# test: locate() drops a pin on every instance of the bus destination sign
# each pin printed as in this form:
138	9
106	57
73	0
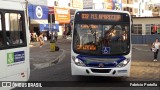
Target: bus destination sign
102	16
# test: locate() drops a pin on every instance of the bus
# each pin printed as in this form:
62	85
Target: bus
14	41
101	43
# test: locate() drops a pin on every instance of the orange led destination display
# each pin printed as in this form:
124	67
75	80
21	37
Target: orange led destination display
108	17
86	47
87	26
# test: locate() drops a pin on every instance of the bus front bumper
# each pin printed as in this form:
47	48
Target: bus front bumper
92	71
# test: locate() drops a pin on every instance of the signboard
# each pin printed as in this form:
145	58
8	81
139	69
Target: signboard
87	4
108	4
117	4
86	47
37	12
62	15
100	16
77	4
46	27
15	57
85	26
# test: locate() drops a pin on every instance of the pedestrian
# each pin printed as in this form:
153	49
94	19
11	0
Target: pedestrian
41	40
34	36
55	35
155	48
45	38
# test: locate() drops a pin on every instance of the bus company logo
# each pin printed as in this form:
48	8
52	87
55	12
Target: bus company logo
6	84
39	12
101	65
14	57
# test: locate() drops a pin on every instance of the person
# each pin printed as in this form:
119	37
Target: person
41	40
17	40
55	35
114	36
34	37
45	38
124	36
155	45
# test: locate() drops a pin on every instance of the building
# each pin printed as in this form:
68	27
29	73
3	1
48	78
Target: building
38	16
107	4
145	30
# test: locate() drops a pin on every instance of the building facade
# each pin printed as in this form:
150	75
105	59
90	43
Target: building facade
38	15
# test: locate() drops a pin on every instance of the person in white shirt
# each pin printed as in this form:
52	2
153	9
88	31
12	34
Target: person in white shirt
156	44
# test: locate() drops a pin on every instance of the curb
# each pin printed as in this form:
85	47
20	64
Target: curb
50	63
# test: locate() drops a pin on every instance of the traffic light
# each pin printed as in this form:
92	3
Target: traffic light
49	18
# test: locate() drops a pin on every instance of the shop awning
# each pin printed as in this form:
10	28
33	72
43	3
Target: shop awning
39	21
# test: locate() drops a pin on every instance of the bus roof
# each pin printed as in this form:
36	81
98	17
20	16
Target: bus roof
102	10
12	4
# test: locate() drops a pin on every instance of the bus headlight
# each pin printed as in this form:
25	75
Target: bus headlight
123	63
77	61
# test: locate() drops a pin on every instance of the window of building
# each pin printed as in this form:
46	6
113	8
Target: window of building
148	29
124	1
124	9
155	28
135	0
137	30
130	9
130	1
14	30
135	10
152	28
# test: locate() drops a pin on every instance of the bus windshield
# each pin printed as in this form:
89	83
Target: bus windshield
101	39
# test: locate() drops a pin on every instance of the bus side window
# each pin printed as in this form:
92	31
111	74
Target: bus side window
14	28
1	36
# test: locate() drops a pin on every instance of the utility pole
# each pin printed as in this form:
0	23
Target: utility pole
52	41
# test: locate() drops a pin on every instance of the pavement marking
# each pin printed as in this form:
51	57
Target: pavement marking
141	49
48	64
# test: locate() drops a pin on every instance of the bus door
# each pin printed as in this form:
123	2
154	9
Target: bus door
2	54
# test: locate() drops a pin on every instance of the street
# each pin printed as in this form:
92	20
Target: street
142	69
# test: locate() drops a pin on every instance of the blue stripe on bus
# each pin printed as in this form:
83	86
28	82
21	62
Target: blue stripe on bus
96	64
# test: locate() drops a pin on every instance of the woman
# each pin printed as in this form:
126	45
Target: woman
156	44
41	40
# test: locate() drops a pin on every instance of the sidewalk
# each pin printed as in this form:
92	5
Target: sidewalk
43	57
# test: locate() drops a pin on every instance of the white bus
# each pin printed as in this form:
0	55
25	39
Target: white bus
14	41
101	43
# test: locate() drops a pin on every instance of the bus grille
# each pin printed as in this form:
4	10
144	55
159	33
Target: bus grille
101	70
105	60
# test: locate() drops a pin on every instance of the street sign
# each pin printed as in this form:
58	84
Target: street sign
51	10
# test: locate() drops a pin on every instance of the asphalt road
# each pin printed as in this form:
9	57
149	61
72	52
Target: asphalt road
142	69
